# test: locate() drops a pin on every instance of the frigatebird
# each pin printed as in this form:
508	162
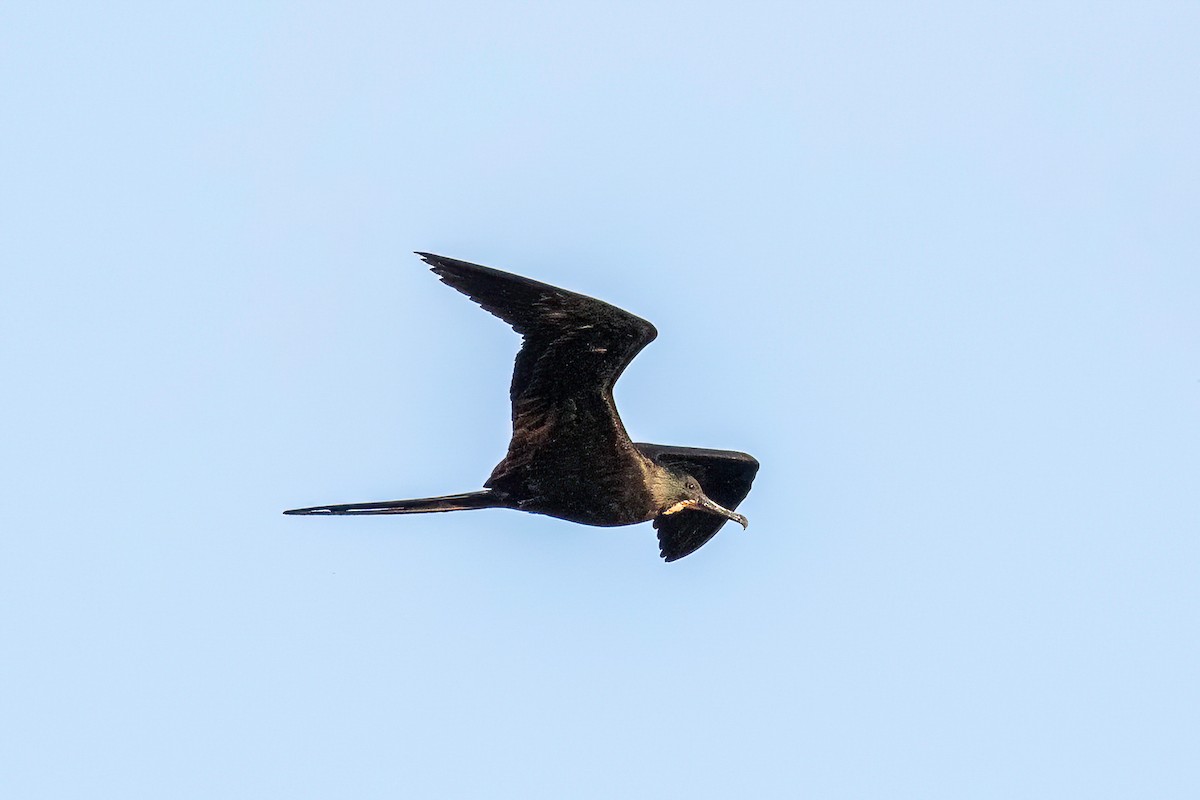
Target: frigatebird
570	456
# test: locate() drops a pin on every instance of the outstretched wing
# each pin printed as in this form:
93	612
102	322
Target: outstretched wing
575	348
725	476
573	343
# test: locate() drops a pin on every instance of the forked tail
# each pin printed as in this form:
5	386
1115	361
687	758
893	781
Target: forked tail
421	505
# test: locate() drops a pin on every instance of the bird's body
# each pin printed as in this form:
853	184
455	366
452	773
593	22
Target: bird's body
570	456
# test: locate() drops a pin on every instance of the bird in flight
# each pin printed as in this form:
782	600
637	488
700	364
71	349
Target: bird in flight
570	456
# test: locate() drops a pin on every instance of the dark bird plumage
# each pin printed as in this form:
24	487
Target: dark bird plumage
570	456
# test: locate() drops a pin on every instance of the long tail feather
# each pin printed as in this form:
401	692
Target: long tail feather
421	505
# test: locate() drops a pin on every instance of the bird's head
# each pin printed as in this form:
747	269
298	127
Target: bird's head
677	491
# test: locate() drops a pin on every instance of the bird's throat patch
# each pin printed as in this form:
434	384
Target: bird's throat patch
680	506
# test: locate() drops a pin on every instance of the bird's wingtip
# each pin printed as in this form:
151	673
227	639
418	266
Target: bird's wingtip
434	261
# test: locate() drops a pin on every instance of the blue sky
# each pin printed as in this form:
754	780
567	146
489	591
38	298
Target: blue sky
944	257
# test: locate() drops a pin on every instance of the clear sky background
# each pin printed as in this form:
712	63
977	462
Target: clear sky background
937	265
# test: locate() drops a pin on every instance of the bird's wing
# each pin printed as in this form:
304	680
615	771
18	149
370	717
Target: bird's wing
574	345
725	476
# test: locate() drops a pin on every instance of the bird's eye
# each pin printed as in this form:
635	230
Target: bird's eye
692	486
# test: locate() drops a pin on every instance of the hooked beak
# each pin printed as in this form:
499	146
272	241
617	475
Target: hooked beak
706	504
